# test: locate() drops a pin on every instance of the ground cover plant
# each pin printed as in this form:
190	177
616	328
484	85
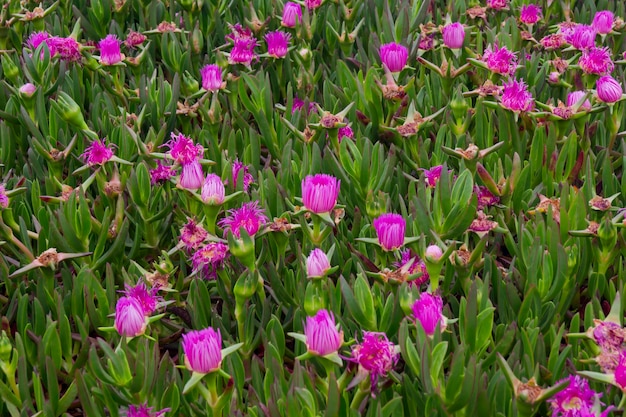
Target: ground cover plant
338	208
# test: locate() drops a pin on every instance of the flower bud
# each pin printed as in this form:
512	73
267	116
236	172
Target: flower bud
428	310
9	69
70	111
27	90
130	320
608	89
320	192
394	56
203	350
453	35
322	336
317	264
390	229
433	253
213	191
6	348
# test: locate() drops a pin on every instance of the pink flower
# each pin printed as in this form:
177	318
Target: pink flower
394	56
192	235
183	150
249	217
500	60
146	298
313	4
35	39
317	264
574	97
376	354
110	50
582	37
390	230
191	176
608	89
67	48
292	12
432	175
553	41
203	350
603	22
209	258
596	61
322	336
130	320
144	411
516	97
485	197
530	14
28	89
433	253
211	77
497	4
453	35
213	191
426	42
161	173
134	39
428	310
609	336
4	199
298	104
248	179
345	132
243	45
620	371
97	153
320	192
418	266
575	400
277	43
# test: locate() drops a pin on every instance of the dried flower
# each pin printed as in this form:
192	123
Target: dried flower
209	259
249	217
161	173
608	335
134	39
317	264
428	310
292	12
67	48
322	336
516	97
320	192
418	266
498	4
376	355
203	350
97	153
110	50
345	132
608	89
603	22
596	61
530	14
481	224
192	235
212	77
426	42
277	43
130	320
500	60
394	56
485	197
453	35
553	41
390	229
213	191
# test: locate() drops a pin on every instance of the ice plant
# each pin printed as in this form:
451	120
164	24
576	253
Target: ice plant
345	132
146	297
203	350
376	355
212	77
110	50
209	259
428	310
390	229
603	22
432	175
97	153
417	266
320	192
4	199
249	217
596	61
500	60
582	37
485	197
292	12
317	264
36	38
433	253
213	191
191	176
313	4
130	320
453	35
394	56
67	48
530	14
498	4
134	39
243	46
576	400
277	43
241	168
575	96
516	97
608	89
322	336
144	411
28	89
183	150
161	173
192	235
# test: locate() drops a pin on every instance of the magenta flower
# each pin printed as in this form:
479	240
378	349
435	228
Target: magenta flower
161	173
582	37
485	197
213	191
4	199
35	39
500	60
453	35
313	4
608	89
426	42
211	77
203	350
428	310
249	217
243	45
144	411
298	104
97	153
191	176
110	50
320	192
209	259
130	320
530	14
248	179
577	400
394	56
608	335
277	43
376	354
183	150
603	22
345	132
574	97
390	230
322	336
67	48
620	371
432	175
498	4
516	97
596	61
147	298
292	12
317	264
192	235
418	266
134	39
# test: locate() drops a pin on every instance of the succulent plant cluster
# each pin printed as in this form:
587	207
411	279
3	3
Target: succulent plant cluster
318	207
